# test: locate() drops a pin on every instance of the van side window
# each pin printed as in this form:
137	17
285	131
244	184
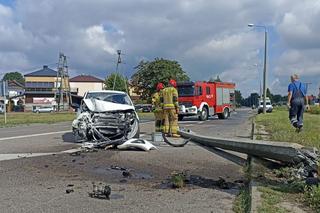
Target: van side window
208	92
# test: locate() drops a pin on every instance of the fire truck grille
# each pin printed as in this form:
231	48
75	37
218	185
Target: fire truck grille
186	104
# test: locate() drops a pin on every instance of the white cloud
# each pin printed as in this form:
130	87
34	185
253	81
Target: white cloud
96	38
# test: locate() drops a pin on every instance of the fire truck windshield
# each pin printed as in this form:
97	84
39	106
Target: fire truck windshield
186	91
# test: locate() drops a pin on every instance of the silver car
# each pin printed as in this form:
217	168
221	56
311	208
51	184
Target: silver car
43	109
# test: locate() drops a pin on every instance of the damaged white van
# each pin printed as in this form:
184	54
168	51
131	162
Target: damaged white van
106	117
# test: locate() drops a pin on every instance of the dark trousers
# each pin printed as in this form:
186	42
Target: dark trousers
296	112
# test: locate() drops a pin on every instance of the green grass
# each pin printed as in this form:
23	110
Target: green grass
242	201
25	118
270	199
278	125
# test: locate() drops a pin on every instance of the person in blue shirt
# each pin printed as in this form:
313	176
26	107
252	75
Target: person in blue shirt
297	98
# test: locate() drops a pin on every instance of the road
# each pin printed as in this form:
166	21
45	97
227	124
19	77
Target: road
38	184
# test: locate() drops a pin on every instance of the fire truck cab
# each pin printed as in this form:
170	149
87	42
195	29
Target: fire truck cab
204	99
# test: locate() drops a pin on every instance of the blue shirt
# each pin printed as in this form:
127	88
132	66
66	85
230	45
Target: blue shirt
293	87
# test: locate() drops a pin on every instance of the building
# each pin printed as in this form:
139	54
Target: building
15	95
83	83
40	88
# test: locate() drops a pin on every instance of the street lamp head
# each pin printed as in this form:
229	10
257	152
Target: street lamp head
250	25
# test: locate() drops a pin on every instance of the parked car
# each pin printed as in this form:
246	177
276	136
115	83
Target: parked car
269	107
147	108
1	109
43	109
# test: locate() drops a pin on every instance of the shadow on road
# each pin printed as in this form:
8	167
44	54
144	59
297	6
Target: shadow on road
68	137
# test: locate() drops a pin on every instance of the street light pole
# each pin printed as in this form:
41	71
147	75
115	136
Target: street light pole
264	65
265	71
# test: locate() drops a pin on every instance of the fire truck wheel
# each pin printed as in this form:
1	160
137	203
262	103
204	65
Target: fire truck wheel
204	114
224	115
180	117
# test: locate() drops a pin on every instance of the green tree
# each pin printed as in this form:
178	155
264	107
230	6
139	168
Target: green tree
148	74
17	76
238	97
120	84
270	95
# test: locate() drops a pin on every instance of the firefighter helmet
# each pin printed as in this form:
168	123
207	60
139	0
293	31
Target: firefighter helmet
173	83
160	86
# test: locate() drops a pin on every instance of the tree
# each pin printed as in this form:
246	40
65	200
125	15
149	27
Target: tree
120	84
17	76
238	97
148	74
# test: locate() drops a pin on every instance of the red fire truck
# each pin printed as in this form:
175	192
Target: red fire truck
204	99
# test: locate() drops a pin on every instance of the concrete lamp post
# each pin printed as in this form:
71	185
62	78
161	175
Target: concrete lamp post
264	64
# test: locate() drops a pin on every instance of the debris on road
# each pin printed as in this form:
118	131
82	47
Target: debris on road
100	191
135	143
117	168
68	191
183	179
126	174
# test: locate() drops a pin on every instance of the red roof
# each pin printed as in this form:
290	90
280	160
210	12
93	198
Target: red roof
85	78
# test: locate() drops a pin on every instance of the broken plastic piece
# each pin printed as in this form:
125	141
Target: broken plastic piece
138	144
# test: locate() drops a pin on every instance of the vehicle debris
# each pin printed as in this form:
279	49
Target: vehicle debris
68	191
135	143
100	191
126	174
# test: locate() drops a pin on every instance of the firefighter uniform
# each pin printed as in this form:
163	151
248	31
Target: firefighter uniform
170	106
158	112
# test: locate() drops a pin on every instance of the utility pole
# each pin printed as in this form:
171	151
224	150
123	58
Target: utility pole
62	83
117	67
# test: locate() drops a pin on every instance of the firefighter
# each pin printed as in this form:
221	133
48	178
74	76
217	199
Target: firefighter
157	108
170	106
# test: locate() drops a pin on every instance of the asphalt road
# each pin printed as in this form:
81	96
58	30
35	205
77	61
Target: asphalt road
38	184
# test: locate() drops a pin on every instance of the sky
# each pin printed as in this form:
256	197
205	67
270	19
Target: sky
207	37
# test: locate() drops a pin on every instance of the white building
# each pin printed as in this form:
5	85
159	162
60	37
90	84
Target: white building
83	83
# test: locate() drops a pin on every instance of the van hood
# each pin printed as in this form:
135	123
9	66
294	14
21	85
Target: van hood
95	105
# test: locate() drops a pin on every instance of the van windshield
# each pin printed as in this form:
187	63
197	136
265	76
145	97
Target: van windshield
118	98
185	91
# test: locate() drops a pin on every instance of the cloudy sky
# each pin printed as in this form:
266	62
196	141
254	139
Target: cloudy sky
207	37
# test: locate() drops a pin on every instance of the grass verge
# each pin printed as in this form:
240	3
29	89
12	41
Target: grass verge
270	200
25	118
278	126
242	201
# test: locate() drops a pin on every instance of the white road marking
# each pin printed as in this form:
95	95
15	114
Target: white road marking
13	156
33	135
